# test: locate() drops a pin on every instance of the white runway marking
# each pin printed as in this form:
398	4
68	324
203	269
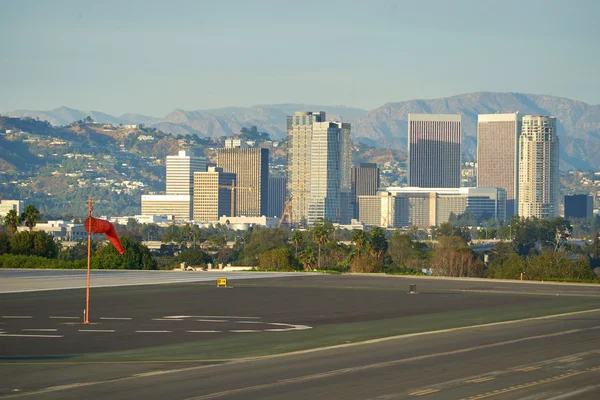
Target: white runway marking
167	319
244	330
17	316
116	318
276	330
30	336
153	331
204	331
224	316
39	330
65	317
211	320
249	322
97	330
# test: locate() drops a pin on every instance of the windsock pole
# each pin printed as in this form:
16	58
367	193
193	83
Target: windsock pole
90	203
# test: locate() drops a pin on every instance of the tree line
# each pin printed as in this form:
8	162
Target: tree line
537	249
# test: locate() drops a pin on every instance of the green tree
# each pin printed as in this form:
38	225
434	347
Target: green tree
359	238
320	235
30	216
12	221
405	253
136	256
308	258
297	240
377	243
21	243
452	257
508	266
194	257
281	259
261	240
43	245
4	243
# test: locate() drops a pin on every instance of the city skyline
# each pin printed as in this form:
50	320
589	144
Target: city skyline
80	53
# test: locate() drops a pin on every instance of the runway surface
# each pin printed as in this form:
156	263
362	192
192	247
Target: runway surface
351	337
23	280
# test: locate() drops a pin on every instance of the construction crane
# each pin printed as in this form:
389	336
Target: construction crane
233	189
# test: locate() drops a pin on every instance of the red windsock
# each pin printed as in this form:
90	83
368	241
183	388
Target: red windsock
95	225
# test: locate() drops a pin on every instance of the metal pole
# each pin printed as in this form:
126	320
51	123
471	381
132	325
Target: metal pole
89	257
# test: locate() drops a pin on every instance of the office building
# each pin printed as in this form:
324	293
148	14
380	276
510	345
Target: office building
346	202
433	206
7	205
579	206
364	181
175	206
299	137
497	155
213	194
251	168
325	173
180	177
277	192
384	210
180	172
434	150
538	168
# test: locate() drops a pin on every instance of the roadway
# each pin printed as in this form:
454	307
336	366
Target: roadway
549	357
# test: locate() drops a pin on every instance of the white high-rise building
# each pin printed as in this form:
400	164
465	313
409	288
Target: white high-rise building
325	173
180	172
434	146
180	176
497	155
299	137
538	167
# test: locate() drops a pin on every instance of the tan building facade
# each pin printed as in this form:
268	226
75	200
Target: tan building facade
497	155
251	168
177	206
213	194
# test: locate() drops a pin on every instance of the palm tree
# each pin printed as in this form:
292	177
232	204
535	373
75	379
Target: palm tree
359	239
307	258
30	216
320	236
297	240
12	220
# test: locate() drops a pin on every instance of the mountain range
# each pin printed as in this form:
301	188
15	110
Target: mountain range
385	126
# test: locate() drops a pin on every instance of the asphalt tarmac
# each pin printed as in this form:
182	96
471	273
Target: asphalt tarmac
524	357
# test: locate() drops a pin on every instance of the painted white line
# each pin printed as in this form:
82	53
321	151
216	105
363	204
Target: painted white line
31	336
224	316
276	330
17	316
65	317
211	320
97	330
244	330
167	319
153	331
204	331
117	318
39	330
248	322
179	317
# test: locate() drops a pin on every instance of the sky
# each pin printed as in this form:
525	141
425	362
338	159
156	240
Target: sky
152	57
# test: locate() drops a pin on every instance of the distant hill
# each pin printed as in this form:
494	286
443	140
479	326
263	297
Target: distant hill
385	127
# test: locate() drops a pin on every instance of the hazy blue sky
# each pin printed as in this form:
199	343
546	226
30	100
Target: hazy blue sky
151	57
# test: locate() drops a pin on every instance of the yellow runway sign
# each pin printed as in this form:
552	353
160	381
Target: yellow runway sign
221	282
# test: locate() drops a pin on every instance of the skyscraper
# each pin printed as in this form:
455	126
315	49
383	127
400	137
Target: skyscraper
365	181
346	200
299	137
434	146
178	200
212	194
538	167
497	155
276	196
180	172
325	173
579	206
251	167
